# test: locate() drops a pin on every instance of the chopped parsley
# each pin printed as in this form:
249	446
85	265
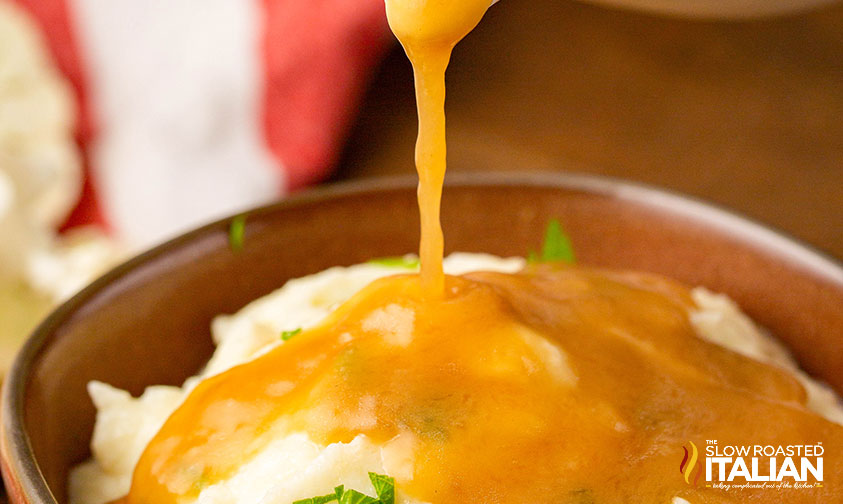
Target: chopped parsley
201	483
237	233
384	489
581	496
406	261
354	497
285	335
318	500
556	247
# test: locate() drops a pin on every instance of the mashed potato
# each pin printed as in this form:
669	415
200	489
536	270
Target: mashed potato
295	467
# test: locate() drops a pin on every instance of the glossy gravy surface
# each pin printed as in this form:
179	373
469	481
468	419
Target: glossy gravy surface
550	386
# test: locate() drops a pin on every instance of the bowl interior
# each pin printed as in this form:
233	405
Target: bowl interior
147	322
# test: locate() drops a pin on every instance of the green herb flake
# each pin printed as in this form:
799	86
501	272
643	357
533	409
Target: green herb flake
286	335
556	247
384	487
581	496
355	497
202	482
406	261
318	500
237	233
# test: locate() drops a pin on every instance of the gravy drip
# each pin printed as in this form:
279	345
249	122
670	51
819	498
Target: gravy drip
429	30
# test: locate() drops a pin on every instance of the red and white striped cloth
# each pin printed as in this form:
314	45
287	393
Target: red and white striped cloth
191	109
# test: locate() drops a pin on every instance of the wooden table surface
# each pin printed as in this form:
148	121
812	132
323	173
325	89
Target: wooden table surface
745	114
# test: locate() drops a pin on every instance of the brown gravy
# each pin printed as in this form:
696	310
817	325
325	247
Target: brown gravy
551	386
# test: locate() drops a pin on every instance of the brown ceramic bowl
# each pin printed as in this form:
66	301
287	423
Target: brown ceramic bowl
147	322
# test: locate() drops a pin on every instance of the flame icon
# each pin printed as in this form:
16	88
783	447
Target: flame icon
686	467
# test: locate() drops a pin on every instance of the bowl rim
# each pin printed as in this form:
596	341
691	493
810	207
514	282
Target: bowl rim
17	454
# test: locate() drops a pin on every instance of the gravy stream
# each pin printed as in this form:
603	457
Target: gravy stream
429	30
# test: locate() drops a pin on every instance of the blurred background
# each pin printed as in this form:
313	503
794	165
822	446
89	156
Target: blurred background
747	114
123	123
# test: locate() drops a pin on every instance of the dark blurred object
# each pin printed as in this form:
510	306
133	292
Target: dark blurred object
747	114
716	9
